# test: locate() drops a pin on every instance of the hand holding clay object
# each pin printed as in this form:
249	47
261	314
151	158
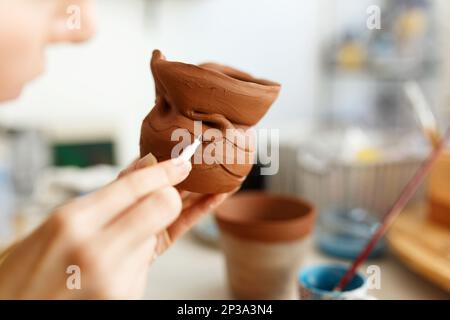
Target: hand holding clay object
224	101
133	219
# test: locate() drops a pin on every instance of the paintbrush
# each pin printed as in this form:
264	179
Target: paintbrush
407	193
423	112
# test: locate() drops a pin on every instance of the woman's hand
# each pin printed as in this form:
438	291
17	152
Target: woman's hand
195	206
100	245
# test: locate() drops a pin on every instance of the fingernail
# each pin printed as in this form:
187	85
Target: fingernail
182	164
146	161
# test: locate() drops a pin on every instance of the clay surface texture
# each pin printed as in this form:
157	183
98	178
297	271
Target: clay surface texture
225	101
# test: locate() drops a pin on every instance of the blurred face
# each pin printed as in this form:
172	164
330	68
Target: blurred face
27	27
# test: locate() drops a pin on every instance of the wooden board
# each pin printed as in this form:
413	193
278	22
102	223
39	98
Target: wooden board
422	245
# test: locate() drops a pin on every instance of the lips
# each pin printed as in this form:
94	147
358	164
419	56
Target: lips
222	98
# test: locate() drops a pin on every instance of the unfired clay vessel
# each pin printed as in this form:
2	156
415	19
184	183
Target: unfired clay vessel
262	236
219	96
439	191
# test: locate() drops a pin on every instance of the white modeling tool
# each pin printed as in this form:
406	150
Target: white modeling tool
189	151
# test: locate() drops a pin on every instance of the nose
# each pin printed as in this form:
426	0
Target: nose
73	23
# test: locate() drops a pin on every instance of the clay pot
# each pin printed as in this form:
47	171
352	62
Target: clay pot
219	96
263	237
439	191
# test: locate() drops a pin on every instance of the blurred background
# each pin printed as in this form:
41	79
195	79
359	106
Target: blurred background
348	134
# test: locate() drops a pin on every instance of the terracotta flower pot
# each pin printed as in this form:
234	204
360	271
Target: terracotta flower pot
262	236
439	191
219	96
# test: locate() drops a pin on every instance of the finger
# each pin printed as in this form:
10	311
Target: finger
131	167
187	219
105	204
136	275
192	198
129	269
191	215
147	161
137	289
147	218
184	194
141	254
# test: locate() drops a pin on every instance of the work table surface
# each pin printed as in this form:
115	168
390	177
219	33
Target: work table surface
192	269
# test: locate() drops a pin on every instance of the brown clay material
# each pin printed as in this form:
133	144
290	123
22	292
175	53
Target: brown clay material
219	96
439	191
266	217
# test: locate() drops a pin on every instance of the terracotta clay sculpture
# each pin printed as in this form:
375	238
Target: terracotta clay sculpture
263	238
219	96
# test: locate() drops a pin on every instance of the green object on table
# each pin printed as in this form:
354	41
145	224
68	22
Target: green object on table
83	154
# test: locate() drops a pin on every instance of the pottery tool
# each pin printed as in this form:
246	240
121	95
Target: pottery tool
407	193
423	112
189	151
186	154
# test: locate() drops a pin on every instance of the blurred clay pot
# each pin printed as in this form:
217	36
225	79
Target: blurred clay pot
439	191
262	236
